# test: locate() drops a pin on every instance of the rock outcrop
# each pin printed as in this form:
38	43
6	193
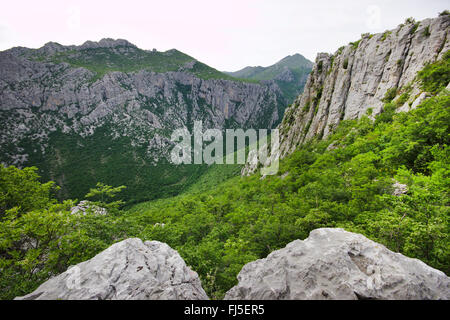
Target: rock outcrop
360	75
336	264
130	270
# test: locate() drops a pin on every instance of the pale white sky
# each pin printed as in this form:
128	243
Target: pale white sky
226	34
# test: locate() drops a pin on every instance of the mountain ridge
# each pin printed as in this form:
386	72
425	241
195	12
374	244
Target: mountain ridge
108	110
290	73
365	74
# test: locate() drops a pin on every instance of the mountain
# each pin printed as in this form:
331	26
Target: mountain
362	77
290	74
365	149
104	111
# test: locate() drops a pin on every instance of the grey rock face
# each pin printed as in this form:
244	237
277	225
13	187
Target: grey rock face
129	270
38	98
336	264
358	76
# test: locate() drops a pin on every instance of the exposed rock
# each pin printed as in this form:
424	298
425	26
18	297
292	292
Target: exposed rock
336	264
399	189
289	73
85	206
130	270
286	75
358	76
106	43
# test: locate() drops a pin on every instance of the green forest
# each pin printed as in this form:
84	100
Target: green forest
346	180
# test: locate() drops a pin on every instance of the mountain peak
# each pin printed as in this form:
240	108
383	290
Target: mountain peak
290	73
295	60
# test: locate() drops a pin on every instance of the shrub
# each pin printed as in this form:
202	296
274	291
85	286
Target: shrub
402	99
410	20
345	65
414	28
390	95
385	35
307	106
355	44
320	66
436	76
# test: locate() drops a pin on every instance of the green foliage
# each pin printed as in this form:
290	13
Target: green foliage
331	65
345	65
410	20
426	31
436	76
385	35
307	106
103	194
402	99
415	27
386	59
316	99
41	238
320	66
128	59
390	95
22	190
355	44
298	66
247	218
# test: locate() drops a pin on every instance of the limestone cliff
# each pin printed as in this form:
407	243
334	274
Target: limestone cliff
359	76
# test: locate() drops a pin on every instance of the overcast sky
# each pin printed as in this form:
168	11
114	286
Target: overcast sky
226	34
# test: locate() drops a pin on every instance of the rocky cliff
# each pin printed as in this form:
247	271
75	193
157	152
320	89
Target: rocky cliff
108	109
364	75
335	264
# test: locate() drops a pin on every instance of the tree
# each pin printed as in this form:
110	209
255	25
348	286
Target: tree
104	194
21	189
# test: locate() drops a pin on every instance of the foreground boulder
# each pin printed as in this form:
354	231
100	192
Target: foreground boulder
336	264
130	269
